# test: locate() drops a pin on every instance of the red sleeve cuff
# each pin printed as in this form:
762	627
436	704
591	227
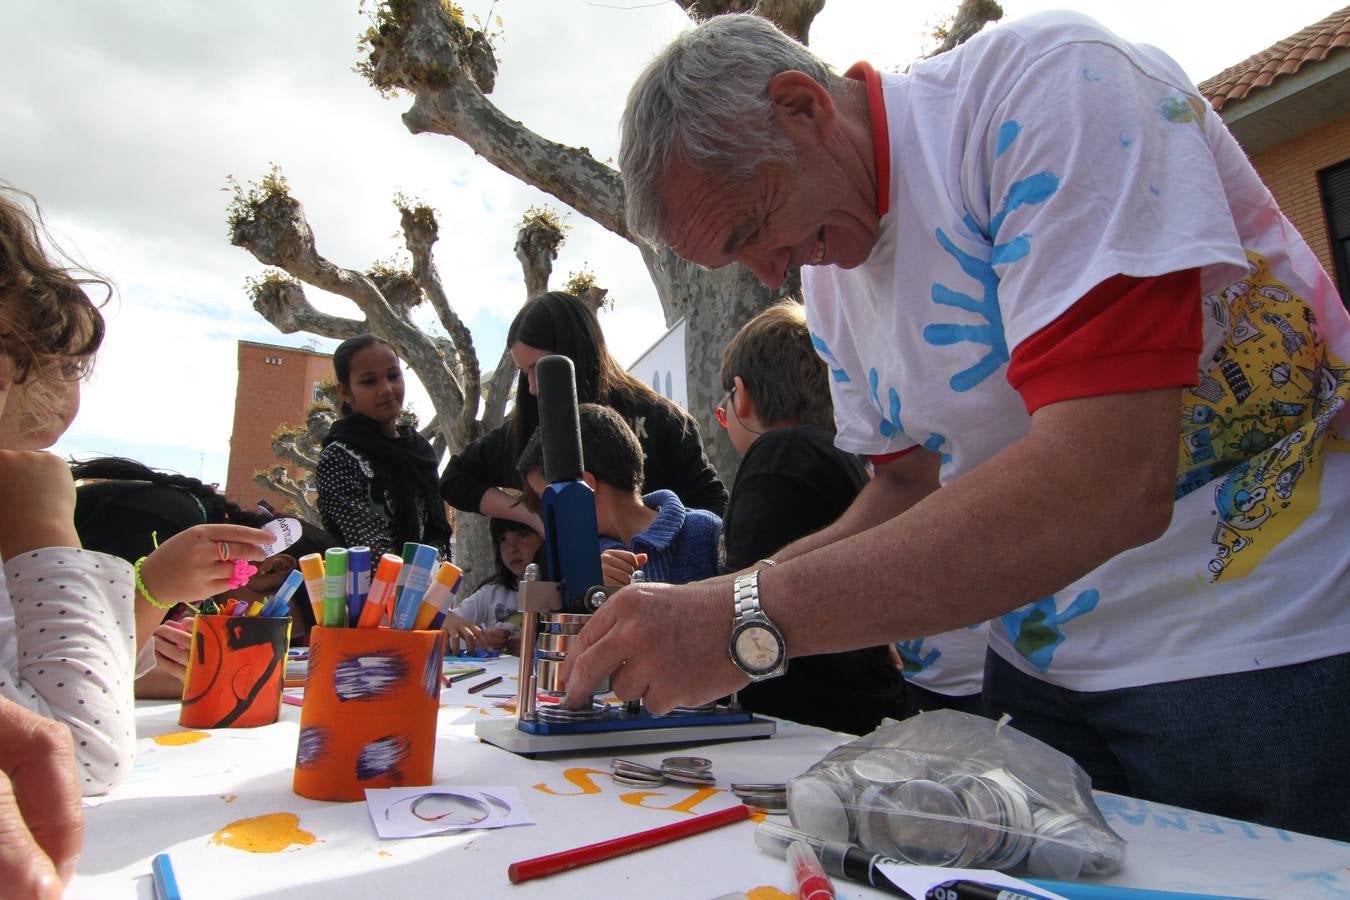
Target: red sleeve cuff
1126	334
884	458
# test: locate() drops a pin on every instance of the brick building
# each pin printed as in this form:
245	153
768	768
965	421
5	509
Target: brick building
1289	107
276	387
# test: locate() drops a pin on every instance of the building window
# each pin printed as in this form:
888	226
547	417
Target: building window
1335	184
316	394
272	360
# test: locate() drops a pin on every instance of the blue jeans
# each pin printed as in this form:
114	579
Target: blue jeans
1270	746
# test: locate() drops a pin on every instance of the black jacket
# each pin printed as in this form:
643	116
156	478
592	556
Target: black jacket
792	482
673	459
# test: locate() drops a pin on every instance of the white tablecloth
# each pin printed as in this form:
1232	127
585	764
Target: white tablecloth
220	803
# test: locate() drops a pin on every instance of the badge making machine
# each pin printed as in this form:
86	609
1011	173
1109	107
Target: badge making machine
555	609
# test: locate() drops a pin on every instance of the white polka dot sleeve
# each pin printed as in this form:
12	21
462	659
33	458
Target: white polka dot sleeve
73	649
343	479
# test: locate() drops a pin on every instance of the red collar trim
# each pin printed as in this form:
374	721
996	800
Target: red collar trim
881	139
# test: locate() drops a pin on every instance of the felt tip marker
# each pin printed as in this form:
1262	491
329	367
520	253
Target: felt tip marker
409	551
282	601
438	595
414	587
812	882
161	871
358	582
311	568
381	591
254	608
335	587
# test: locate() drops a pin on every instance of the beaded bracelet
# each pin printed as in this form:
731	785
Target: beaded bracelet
145	591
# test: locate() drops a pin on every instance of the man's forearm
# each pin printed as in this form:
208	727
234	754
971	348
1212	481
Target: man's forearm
1039	515
893	490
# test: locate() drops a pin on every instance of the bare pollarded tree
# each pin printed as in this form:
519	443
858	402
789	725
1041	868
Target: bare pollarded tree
270	223
426	49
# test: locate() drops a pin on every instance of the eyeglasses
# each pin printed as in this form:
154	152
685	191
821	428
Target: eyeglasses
721	411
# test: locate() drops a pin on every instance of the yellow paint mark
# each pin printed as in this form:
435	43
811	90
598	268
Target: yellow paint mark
758	815
638	798
271	833
765	892
580	777
229	798
384	853
180	738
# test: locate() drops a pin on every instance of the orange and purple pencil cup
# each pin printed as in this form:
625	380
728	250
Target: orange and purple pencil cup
368	719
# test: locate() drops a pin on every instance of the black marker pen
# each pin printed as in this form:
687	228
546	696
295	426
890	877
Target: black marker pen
838	858
856	864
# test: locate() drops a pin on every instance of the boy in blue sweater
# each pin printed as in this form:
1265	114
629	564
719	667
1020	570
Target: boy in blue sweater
656	533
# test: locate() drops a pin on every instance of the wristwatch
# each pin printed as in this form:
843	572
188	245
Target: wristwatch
757	646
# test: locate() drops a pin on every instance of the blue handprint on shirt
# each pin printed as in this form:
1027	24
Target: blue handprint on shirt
1034	629
913	662
1033	189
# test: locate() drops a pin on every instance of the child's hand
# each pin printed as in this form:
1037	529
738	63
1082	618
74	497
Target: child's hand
457	629
37	502
496	638
617	566
188	567
173	644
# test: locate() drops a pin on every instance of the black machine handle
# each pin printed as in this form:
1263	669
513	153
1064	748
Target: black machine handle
559	422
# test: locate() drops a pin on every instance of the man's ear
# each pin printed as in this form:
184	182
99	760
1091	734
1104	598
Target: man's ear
589	479
801	105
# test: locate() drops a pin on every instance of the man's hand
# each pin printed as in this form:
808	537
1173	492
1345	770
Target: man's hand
617	566
41	819
664	644
38	497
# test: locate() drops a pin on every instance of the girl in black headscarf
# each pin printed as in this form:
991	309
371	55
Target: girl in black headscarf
376	478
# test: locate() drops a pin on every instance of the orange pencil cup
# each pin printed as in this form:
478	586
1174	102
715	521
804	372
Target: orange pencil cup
234	672
369	715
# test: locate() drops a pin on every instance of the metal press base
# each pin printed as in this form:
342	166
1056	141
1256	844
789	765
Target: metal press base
504	733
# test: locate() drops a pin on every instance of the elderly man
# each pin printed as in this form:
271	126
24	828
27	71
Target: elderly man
1044	277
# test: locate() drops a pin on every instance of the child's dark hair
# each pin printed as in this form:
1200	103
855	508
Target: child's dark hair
49	328
499	529
609	449
560	323
774	356
215	506
342	362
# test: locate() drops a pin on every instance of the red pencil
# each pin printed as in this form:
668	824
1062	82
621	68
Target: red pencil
571	859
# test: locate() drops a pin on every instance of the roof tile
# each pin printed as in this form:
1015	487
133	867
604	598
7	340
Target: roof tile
1285	57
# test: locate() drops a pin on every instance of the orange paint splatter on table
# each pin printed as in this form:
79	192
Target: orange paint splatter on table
270	833
229	798
180	738
765	892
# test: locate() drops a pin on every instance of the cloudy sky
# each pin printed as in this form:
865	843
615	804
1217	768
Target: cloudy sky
125	120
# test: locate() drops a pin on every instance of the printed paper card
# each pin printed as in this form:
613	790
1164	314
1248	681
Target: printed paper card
443	809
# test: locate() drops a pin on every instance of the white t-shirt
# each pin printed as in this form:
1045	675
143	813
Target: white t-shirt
491	606
1036	161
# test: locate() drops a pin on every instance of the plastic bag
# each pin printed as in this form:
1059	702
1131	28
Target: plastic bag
947	788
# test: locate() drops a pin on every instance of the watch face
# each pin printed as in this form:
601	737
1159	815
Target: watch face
758	648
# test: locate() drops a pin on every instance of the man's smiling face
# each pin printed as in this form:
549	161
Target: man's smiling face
781	218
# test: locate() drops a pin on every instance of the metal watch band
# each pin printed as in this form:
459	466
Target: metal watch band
747	595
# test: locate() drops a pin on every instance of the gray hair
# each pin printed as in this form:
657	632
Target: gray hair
704	102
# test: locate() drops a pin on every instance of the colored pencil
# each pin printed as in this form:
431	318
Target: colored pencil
581	856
